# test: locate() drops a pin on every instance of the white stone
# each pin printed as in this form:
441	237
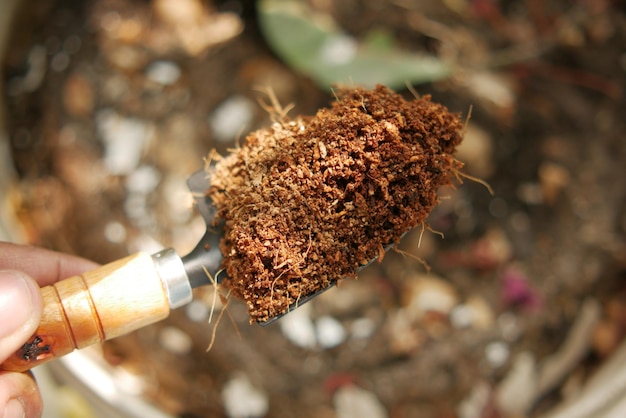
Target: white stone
362	328
115	232
175	340
298	327
476	151
430	294
197	311
135	206
243	400
165	73
516	392
508	325
124	140
353	402
476	402
493	88
475	313
404	337
461	316
232	118
128	382
497	353
143	180
330	332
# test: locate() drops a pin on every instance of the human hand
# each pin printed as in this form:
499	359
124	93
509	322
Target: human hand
23	270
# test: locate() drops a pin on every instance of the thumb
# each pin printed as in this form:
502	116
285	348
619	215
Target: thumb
20	310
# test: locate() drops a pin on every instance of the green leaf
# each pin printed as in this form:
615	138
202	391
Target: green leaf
312	44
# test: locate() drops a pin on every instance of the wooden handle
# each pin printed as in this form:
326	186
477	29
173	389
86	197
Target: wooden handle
105	303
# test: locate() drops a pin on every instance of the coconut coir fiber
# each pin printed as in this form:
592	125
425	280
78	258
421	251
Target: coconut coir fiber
310	200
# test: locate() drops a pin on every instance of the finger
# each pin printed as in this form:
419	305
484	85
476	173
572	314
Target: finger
19	395
20	310
45	266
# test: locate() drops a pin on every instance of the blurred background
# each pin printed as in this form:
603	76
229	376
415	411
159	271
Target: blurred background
513	305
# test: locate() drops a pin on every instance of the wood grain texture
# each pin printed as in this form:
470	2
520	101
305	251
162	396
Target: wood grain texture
105	303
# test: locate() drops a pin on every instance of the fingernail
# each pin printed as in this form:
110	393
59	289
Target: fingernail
14	409
16	302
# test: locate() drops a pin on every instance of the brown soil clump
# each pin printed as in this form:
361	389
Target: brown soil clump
310	200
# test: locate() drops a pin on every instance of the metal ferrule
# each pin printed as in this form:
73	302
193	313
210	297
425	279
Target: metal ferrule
174	278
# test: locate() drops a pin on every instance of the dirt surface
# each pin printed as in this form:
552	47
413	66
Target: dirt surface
112	104
310	200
